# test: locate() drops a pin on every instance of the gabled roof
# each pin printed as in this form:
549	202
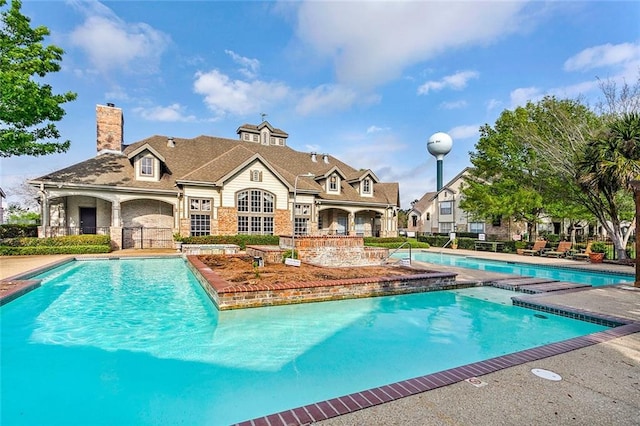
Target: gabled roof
331	171
362	174
252	128
211	160
428	197
146	147
423	203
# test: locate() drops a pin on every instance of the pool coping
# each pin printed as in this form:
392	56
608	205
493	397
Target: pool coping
582	266
324	410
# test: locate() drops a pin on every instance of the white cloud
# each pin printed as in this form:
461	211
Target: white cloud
110	43
453	105
313	148
224	95
493	104
250	67
575	90
372	42
376	129
464	132
520	96
381	152
117	93
171	113
455	81
326	98
605	55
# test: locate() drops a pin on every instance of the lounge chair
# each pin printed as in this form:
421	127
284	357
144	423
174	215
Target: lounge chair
584	255
537	248
560	251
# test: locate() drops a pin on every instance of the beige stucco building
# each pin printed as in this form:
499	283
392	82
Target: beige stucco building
440	212
144	192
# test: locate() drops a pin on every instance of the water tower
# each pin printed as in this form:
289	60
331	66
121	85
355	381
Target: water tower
439	145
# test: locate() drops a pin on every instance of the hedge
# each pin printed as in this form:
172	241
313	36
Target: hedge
36	250
69	240
71	244
15	231
394	242
240	240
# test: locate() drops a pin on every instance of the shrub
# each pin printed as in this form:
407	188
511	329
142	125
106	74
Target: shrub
240	240
71	244
69	240
598	247
15	231
393	243
40	250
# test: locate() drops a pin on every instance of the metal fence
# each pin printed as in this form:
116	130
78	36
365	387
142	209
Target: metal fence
145	238
612	254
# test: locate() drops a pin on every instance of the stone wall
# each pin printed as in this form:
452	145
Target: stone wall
227	221
336	250
269	254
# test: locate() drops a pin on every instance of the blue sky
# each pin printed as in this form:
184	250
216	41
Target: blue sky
365	81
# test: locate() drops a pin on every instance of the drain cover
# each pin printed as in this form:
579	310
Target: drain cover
546	374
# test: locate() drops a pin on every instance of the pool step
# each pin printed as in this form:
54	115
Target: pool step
514	284
553	286
535	285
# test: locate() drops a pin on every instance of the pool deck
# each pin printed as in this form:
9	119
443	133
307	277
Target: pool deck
600	375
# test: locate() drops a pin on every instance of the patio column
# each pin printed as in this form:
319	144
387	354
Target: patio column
115	230
44	216
115	214
635	184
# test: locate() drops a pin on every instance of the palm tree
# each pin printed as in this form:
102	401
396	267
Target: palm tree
610	161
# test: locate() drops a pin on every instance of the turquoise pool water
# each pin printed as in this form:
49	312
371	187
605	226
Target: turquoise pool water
524	269
138	342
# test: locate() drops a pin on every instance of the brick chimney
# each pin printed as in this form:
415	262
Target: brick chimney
109	128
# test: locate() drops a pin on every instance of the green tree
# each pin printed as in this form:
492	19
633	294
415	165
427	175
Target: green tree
504	180
610	161
592	156
28	108
17	214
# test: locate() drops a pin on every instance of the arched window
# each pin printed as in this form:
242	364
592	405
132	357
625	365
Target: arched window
255	212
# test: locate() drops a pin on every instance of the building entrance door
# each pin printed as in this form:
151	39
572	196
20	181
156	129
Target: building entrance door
87	220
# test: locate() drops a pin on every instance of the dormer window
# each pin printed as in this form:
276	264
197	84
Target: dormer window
334	184
256	138
366	186
146	166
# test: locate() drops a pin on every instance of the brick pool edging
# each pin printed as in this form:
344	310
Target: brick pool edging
227	295
371	397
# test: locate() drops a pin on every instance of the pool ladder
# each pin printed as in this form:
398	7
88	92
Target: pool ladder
403	261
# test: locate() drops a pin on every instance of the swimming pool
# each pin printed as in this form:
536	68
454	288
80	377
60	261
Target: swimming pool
573	275
138	342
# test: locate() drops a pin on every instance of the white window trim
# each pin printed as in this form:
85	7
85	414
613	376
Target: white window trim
363	191
155	168
337	189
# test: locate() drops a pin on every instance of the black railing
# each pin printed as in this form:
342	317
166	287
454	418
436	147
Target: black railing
145	238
